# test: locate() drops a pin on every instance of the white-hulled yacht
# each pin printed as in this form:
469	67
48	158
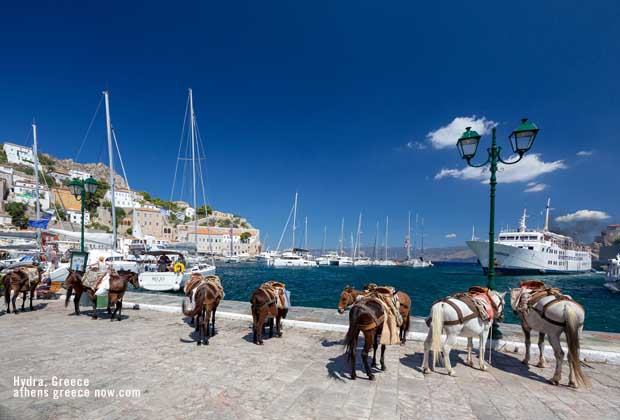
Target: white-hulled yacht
528	251
612	275
293	258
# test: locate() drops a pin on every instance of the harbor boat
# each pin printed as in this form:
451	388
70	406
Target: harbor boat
160	277
527	251
294	258
326	259
341	261
266	258
612	275
419	262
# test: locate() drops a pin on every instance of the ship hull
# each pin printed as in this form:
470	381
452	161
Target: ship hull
511	260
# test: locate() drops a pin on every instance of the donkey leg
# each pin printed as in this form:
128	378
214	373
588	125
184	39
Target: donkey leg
120	308
541	348
375	346
383	365
13	301
31	296
483	346
470	346
528	342
213	321
279	326
559	358
205	324
76	301
354	347
94	299
427	348
368	342
24	296
447	347
261	323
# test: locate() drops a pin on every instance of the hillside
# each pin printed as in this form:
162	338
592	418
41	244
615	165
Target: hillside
99	170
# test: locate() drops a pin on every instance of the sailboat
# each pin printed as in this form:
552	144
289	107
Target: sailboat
385	261
167	280
296	257
414	262
358	260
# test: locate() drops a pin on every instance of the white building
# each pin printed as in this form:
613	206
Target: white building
189	212
217	240
59	176
79	174
123	198
25	192
76	217
19	155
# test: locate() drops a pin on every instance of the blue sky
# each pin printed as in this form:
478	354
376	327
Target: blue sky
342	101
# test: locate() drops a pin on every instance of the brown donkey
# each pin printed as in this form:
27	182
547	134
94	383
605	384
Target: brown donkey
268	301
20	280
366	316
116	291
349	296
204	296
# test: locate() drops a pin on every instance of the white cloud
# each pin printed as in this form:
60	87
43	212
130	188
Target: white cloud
584	153
415	145
530	167
451	235
534	187
582	215
447	136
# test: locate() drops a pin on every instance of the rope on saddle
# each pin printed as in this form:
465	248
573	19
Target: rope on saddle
467	300
537	296
362	304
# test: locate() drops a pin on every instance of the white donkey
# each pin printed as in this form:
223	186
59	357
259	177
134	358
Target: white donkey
552	313
457	316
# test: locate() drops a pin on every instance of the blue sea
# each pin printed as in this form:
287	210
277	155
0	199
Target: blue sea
321	287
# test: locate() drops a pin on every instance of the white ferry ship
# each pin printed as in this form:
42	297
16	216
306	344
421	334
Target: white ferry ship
528	251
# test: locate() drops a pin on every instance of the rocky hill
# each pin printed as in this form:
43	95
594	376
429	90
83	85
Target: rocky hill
98	170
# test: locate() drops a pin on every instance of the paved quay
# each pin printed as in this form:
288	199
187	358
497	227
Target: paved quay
303	375
595	346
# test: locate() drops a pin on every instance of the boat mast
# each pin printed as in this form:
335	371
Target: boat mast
522	225
546	229
193	138
415	234
358	236
422	238
231	240
294	220
374	252
306	233
342	237
324	239
111	164
36	180
408	235
386	236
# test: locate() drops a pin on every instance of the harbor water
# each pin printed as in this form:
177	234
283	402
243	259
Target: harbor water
321	287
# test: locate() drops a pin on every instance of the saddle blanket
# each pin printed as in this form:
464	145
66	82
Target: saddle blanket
484	305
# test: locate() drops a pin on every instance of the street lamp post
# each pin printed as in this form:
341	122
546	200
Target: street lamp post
79	189
521	140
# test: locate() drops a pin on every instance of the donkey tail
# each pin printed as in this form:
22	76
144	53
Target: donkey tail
572	338
436	328
351	338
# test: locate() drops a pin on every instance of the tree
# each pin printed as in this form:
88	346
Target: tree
94	200
17	211
3	158
245	237
203	211
129	231
120	215
46	160
61	214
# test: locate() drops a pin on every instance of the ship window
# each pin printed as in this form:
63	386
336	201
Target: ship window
530	247
510	238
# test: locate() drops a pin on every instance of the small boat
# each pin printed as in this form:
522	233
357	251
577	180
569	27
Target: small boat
169	277
612	275
294	258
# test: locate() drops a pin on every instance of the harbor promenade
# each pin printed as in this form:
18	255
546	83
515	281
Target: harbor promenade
152	359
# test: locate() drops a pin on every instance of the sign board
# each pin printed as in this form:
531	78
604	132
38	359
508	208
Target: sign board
79	261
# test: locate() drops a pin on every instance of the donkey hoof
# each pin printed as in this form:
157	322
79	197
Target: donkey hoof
572	385
198	343
540	365
553	381
484	368
383	368
525	361
452	373
373	364
426	371
371	377
353	377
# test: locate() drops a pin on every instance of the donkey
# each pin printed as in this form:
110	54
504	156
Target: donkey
267	302
456	317
367	316
116	291
206	295
349	296
19	281
551	313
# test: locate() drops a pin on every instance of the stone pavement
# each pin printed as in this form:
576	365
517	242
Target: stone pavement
303	375
590	340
